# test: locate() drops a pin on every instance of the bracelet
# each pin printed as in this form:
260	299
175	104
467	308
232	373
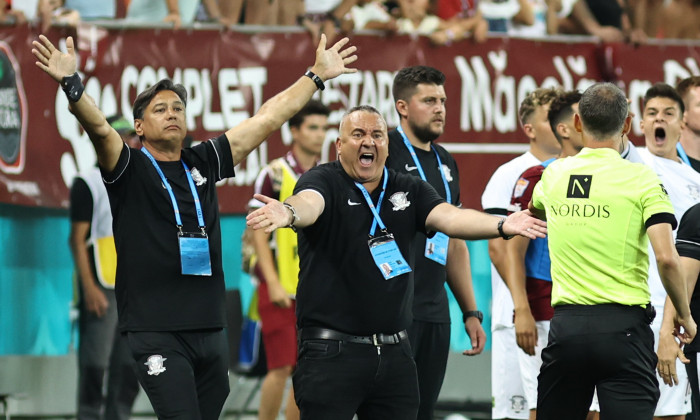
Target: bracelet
73	87
295	216
319	83
500	230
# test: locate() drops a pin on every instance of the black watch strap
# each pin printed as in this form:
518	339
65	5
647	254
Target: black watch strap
319	83
476	314
500	229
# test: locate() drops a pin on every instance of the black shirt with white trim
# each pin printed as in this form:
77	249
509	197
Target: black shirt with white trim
152	293
340	286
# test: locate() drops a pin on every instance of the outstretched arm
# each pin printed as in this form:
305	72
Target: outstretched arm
329	63
472	224
306	205
107	142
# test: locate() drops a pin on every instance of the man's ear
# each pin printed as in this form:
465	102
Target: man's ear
578	126
402	107
138	128
563	131
628	124
529	131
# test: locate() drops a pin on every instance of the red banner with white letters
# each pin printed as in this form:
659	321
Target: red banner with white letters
229	75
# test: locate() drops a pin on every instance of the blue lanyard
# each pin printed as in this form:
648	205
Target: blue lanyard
682	154
197	205
409	146
375	210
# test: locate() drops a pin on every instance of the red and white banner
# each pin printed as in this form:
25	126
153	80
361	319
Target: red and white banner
229	75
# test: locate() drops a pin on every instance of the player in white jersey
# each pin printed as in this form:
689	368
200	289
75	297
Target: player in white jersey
662	123
506	390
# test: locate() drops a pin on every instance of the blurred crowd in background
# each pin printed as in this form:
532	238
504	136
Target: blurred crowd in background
444	21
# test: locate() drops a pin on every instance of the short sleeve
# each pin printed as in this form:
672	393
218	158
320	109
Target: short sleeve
427	201
688	238
80	201
538	194
653	196
524	187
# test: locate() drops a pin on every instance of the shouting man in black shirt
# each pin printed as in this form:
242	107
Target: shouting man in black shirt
169	282
356	223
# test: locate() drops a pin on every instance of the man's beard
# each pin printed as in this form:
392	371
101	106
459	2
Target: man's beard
424	133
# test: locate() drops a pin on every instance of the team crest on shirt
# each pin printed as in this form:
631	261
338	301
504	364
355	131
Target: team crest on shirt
155	364
694	192
197	177
446	171
399	200
520	187
518	403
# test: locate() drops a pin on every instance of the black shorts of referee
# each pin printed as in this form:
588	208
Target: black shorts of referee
607	347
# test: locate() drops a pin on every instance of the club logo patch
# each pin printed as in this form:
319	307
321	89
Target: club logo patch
520	187
155	364
518	403
198	178
399	200
446	171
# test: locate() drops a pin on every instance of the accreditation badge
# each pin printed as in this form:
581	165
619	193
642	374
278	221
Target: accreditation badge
194	253
436	248
387	256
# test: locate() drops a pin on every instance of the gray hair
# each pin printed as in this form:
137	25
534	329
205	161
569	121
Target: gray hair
360	108
603	109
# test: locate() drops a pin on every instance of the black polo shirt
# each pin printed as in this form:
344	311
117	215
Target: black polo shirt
688	245
430	300
340	286
152	294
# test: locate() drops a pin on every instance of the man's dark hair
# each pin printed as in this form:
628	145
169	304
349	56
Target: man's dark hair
603	109
408	78
561	108
147	95
313	107
663	90
685	85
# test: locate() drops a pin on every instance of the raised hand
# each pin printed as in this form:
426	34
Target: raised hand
523	223
270	217
55	63
333	62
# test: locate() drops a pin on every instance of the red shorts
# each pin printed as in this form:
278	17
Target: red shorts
279	331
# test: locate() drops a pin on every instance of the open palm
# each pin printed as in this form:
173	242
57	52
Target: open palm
55	63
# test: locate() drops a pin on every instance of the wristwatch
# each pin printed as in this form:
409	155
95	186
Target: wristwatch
501	233
476	314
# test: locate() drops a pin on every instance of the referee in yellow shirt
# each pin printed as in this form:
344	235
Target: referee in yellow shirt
600	209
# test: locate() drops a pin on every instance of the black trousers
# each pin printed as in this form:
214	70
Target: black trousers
104	354
430	342
692	369
336	379
610	347
184	373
